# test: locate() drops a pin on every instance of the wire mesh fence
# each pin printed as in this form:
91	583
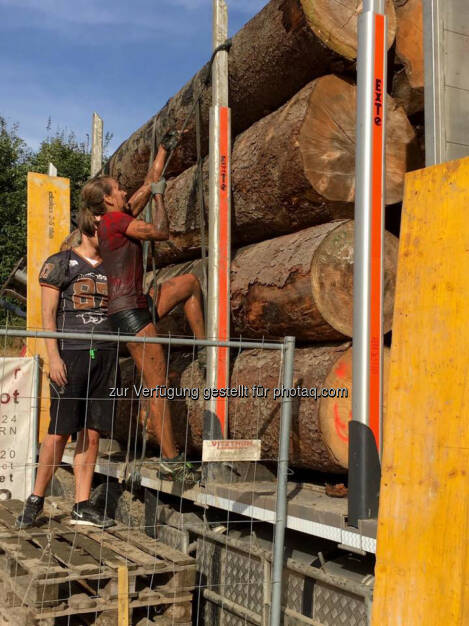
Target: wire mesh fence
182	551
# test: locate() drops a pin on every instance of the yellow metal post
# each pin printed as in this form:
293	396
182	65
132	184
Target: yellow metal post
422	573
123	595
48	225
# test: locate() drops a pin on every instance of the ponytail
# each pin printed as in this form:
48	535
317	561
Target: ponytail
87	222
92	197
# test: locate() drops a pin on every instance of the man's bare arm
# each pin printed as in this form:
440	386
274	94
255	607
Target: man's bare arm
139	199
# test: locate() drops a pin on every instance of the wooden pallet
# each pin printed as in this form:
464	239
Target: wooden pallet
56	570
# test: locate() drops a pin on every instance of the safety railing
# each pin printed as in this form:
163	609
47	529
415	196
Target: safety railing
286	348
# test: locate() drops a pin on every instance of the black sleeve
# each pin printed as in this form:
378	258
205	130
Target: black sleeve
53	272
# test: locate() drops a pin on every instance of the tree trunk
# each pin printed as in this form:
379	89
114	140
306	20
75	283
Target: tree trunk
319	428
409	98
275	54
302	285
292	169
409	40
299	284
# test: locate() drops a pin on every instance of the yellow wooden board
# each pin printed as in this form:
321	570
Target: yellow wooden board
123	595
422	573
48	225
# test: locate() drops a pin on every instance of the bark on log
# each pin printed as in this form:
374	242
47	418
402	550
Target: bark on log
409	98
409	40
319	428
287	44
299	284
302	285
292	169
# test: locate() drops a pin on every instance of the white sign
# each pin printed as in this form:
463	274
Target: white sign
231	450
19	403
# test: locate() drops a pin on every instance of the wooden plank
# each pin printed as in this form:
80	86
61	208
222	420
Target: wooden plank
134	556
422	574
10	509
100	554
21	549
7	514
67	553
151	546
48	225
123	596
155	599
6	519
95	554
30	593
81	536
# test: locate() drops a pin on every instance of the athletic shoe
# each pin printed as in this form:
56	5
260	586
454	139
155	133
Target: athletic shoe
85	514
178	471
32	510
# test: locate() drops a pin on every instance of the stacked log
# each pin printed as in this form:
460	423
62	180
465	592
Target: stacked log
286	45
299	284
292	169
409	40
408	82
319	428
293	185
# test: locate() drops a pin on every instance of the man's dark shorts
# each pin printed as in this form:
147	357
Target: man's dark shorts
85	401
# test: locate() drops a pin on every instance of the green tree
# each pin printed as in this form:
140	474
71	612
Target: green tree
72	159
70	156
15	157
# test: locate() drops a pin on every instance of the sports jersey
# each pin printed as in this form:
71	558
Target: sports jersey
123	263
83	298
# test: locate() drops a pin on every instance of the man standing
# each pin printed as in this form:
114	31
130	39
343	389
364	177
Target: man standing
120	235
74	299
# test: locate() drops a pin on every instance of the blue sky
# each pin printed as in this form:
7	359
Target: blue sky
120	58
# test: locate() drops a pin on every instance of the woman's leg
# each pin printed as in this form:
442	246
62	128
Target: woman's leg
86	453
185	289
50	457
151	362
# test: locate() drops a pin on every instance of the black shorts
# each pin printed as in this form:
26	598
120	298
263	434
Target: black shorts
132	321
85	400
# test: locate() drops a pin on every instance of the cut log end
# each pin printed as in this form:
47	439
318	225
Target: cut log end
411	99
336	412
332	278
335	23
327	142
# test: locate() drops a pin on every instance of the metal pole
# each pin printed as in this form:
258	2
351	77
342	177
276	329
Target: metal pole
49	334
433	51
51	170
219	245
96	145
35	403
282	473
365	441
